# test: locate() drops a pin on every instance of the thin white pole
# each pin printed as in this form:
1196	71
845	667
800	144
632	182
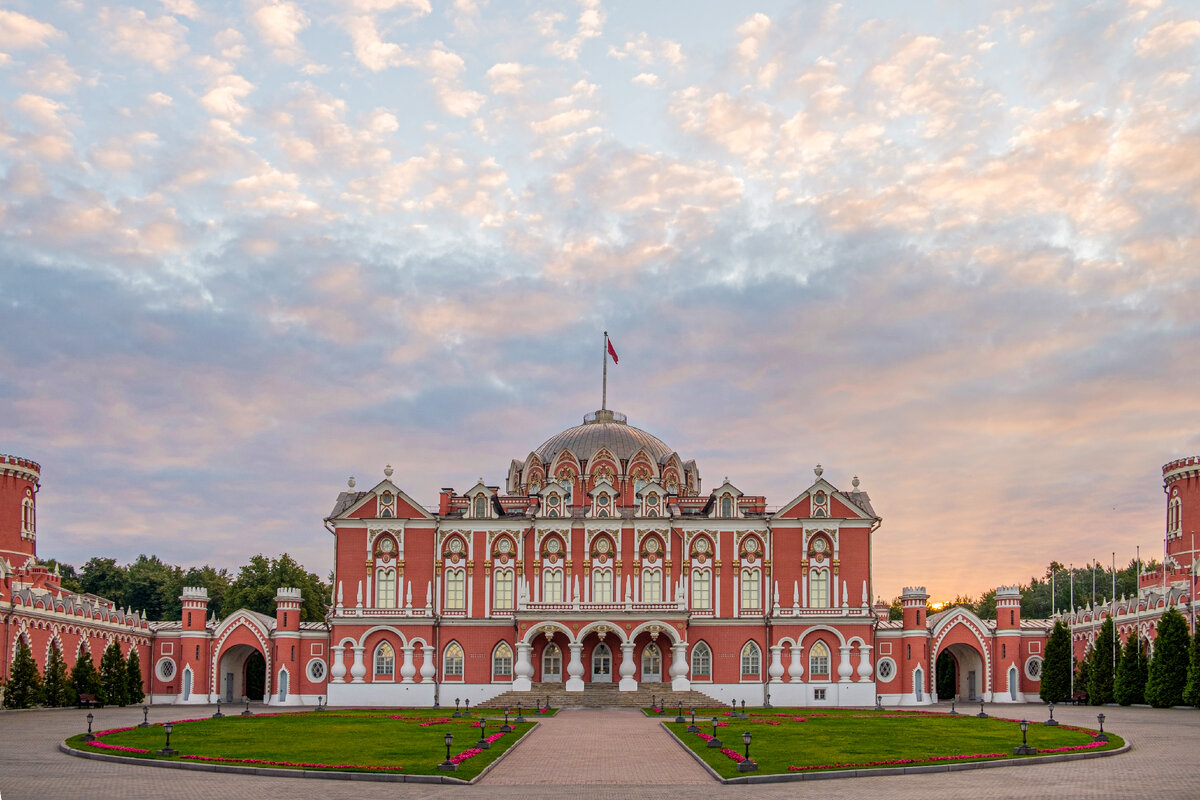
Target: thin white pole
604	389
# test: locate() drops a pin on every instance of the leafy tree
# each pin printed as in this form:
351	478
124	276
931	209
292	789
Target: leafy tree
1081	677
217	582
112	675
1130	686
1191	691
1101	670
257	582
24	686
57	691
102	576
1056	665
986	607
946	674
896	610
84	678
133	675
149	584
68	579
1169	666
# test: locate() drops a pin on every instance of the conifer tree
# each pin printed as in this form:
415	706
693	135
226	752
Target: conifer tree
84	678
1101	669
1191	692
1130	686
24	686
1056	666
1169	666
1081	676
113	677
133	674
57	691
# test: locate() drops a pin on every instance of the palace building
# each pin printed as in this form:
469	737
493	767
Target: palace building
601	561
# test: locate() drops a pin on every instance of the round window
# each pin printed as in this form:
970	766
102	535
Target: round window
505	546
885	669
702	545
652	545
316	670
602	546
456	545
165	669
386	545
1033	668
751	545
553	546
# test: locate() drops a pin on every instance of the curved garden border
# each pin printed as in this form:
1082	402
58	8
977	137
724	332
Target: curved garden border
785	777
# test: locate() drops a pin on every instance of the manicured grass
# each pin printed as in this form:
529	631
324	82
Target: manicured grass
382	740
860	739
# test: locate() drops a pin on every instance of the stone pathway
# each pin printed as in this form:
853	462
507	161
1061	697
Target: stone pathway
600	747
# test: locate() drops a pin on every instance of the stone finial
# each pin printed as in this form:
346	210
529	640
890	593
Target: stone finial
818	470
351	483
387	471
855	483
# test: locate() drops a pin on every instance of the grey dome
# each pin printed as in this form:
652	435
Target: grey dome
603	429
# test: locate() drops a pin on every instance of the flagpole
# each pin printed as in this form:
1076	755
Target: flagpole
604	385
1112	610
1072	573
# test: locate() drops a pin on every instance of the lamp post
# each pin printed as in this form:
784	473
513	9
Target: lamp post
145	723
547	706
879	702
1101	736
88	737
982	714
506	728
167	749
747	765
520	715
767	702
218	715
483	743
679	715
246	712
448	765
1052	722
467	708
1024	749
953	702
456	713
653	703
321	706
743	714
692	728
714	741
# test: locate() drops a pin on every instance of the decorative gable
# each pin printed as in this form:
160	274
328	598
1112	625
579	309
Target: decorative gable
725	502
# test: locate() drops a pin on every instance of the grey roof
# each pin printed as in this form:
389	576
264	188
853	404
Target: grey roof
861	500
344	501
622	439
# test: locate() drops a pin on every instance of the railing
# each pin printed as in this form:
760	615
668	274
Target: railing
821	612
600	607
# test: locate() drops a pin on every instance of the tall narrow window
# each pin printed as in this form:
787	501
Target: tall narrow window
701	589
751	598
480	506
453	661
385	588
28	517
726	506
818	662
385	661
503	600
602	586
456	589
701	661
552	586
750	660
818	588
651	585
502	660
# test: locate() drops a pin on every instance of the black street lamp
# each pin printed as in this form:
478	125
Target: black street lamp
679	715
483	743
467	709
879	702
1100	737
746	764
321	707
145	723
547	702
692	728
743	714
88	737
982	714
456	713
167	750
448	765
953	701
653	703
767	702
218	715
520	715
506	728
714	741
1024	749
1052	722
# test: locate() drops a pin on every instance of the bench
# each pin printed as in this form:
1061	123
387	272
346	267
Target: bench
88	701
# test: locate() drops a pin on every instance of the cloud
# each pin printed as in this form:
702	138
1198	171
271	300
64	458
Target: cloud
19	32
279	24
159	42
589	25
1166	38
224	99
53	75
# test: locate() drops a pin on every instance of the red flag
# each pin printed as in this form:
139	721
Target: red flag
612	352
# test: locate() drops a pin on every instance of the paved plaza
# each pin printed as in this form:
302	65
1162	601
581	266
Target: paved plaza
615	753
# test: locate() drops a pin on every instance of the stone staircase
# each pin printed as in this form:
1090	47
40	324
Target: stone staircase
600	695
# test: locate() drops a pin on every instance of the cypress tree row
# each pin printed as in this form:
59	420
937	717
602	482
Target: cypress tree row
1057	666
1191	692
1130	685
1169	667
1101	669
24	686
84	678
112	675
133	676
57	691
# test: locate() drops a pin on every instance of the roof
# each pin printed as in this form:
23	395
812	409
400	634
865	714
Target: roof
604	429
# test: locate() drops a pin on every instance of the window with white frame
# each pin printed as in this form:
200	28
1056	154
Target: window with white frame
385	661
726	506
701	661
503	598
1174	515
751	660
701	589
456	589
28	517
651	585
818	588
552	585
818	661
751	592
480	506
502	661
602	585
452	662
385	588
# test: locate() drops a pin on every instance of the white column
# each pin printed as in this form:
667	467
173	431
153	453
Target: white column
359	670
679	668
338	672
796	668
575	668
428	670
523	669
407	669
628	669
776	668
844	668
864	664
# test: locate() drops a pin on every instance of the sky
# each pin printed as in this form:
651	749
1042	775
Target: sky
251	248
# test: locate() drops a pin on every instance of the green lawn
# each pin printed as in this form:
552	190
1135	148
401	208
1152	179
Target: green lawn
381	740
857	739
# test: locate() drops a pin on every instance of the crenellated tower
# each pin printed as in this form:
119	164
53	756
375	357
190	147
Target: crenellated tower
20	479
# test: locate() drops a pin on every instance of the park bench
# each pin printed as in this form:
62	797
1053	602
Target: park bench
88	701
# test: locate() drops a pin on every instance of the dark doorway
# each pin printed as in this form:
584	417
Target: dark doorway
256	676
947	676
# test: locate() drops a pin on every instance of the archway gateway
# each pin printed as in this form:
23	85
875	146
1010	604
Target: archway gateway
241	673
970	676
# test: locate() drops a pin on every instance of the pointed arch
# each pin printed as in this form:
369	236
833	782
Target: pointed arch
453	662
701	661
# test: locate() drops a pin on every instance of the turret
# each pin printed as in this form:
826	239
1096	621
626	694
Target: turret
195	608
287	610
913	600
20	480
1008	608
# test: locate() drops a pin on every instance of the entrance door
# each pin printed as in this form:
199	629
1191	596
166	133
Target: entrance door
187	683
971	685
651	664
552	663
283	686
228	687
602	664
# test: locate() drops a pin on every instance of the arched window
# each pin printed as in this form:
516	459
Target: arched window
502	662
552	663
726	506
385	588
701	662
750	660
1174	507
552	586
651	585
701	589
818	588
28	517
818	662
385	661
751	595
602	586
503	599
480	506
456	589
452	662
